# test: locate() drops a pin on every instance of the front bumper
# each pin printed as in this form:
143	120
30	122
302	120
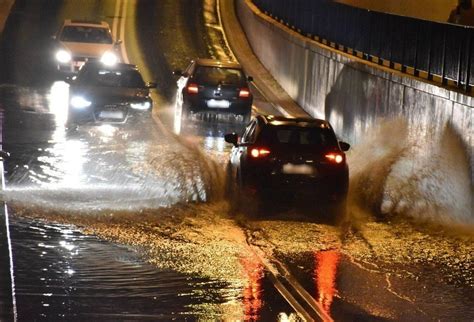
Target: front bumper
104	114
73	66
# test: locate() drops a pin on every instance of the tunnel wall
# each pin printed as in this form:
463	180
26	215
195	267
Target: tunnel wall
352	94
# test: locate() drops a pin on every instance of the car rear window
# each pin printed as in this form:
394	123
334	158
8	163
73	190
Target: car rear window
86	34
313	137
113	78
219	75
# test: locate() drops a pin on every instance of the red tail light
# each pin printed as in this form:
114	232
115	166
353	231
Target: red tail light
244	93
335	157
259	152
193	88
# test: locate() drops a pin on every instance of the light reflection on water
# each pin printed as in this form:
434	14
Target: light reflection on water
63	274
326	263
79	276
76	271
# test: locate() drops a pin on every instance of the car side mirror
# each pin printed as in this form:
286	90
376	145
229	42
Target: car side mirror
231	138
150	85
250	78
344	146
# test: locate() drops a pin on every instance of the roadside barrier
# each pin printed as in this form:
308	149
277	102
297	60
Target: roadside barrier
440	52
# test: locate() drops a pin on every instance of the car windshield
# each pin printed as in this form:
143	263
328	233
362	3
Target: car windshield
113	78
86	35
219	75
312	137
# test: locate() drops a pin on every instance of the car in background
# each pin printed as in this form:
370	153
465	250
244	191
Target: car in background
210	86
79	41
280	158
108	94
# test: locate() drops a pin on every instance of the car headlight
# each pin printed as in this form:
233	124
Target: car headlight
80	102
63	56
109	58
141	106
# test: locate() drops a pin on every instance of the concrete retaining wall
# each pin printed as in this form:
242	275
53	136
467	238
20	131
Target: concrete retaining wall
354	94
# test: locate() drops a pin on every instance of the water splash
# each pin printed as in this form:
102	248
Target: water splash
395	172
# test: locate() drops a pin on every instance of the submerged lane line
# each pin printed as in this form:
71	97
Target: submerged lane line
9	241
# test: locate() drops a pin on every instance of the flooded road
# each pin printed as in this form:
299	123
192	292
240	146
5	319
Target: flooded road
118	180
130	222
71	273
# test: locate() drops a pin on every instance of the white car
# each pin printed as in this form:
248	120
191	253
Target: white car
81	41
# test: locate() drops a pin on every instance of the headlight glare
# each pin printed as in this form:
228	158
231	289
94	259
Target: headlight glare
141	106
80	102
109	58
63	56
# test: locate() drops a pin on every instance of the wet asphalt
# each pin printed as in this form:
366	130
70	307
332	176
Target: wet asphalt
64	274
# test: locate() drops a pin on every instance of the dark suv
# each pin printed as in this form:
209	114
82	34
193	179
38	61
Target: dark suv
281	158
215	87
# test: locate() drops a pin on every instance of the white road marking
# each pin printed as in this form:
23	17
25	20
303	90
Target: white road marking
122	31
116	18
120	17
9	240
218	4
275	106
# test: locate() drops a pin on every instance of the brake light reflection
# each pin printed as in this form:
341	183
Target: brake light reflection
252	292
193	88
325	277
259	152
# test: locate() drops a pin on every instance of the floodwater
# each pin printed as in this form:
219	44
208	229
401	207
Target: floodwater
348	291
110	180
161	195
63	274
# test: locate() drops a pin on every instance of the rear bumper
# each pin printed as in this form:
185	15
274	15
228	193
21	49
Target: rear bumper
331	187
237	107
95	116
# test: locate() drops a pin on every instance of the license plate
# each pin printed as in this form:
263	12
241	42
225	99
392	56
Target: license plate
218	103
290	168
111	114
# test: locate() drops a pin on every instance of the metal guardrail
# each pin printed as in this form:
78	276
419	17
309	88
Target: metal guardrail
435	51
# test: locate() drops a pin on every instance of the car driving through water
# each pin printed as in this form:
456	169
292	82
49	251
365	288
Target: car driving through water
78	41
213	87
108	94
280	158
